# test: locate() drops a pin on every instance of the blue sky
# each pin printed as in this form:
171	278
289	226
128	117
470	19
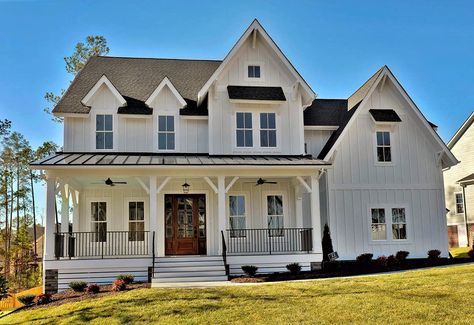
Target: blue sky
335	45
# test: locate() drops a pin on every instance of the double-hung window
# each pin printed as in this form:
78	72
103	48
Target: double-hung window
136	221
253	71
99	221
379	227
388	218
275	215
104	135
237	215
267	130
166	132
399	224
244	131
459	200
384	150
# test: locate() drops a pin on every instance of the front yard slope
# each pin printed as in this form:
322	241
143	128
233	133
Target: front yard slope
424	296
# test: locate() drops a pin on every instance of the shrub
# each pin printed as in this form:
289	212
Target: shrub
326	243
330	266
26	299
78	286
364	259
401	256
471	253
294	268
119	285
434	254
42	299
3	288
250	270
392	261
93	288
127	278
381	261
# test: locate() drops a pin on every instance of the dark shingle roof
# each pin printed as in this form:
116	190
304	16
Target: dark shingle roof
327	112
137	78
256	93
385	115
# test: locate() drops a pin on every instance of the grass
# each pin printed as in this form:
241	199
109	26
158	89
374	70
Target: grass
440	295
460	252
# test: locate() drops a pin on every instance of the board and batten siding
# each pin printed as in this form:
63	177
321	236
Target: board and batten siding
356	182
315	140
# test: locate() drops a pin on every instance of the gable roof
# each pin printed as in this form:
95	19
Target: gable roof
325	112
256	93
136	79
385	115
460	132
256	27
363	90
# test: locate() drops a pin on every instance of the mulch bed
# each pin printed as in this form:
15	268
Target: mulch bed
351	268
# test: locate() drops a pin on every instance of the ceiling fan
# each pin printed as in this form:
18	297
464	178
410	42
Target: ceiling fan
262	181
110	182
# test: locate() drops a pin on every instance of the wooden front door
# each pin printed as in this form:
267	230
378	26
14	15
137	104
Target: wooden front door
185	224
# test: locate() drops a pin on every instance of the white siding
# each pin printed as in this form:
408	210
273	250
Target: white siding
315	140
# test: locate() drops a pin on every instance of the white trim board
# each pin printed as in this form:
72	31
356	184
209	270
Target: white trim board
103	80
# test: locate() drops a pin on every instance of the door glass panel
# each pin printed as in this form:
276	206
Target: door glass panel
169	216
202	216
185	217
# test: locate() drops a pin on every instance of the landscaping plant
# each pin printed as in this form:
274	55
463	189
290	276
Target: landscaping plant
250	270
364	259
78	286
294	268
326	243
127	278
401	256
381	261
93	288
26	299
392	261
3	288
434	254
471	253
119	285
42	299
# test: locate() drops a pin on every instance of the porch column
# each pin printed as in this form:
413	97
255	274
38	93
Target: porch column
75	210
315	214
153	216
221	208
298	207
50	218
64	208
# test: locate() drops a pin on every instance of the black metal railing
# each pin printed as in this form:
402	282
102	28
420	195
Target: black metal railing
224	253
268	241
101	244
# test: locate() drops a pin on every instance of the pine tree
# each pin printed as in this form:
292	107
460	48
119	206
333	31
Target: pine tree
327	243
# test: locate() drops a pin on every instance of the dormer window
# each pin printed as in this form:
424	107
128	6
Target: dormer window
254	71
104	135
166	132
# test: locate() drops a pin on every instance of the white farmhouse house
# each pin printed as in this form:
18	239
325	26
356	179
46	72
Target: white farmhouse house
459	187
185	170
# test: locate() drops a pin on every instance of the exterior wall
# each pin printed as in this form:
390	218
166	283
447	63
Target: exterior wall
414	181
315	140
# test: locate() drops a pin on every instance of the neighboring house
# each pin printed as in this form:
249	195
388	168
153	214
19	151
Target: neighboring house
459	187
185	170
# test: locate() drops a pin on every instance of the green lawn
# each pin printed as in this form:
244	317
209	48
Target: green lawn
442	295
460	252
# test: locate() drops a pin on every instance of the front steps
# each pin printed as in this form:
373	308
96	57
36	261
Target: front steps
188	269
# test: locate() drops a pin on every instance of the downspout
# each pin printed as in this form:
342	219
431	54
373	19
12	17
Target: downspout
465	212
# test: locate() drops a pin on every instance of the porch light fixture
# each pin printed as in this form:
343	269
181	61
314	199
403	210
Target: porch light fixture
186	187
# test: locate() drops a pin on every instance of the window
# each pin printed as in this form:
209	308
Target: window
275	215
244	130
136	221
399	225
237	215
267	130
104	135
384	152
459	199
379	227
99	221
254	71
166	132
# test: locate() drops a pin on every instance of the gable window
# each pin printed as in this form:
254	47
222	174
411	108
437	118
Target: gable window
237	215
459	199
399	224
244	129
104	135
254	71
379	227
99	221
275	215
136	221
393	218
384	150
166	132
267	130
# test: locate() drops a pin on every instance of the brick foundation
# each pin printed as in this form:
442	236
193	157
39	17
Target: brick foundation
51	281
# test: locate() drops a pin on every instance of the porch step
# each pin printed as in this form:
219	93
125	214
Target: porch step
186	269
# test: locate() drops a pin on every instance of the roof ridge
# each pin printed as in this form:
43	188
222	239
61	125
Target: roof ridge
149	58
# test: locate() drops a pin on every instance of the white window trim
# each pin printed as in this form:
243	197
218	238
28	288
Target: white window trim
283	194
246	71
235	130
125	216
388	223
392	147
246	196
94	130
167	112
456	205
256	148
267	129
107	201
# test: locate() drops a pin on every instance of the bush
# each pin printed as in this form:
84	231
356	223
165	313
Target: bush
26	299
3	288
401	256
326	243
392	261
93	288
434	254
119	285
364	259
78	286
42	299
471	253
127	278
381	261
331	266
294	268
250	270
